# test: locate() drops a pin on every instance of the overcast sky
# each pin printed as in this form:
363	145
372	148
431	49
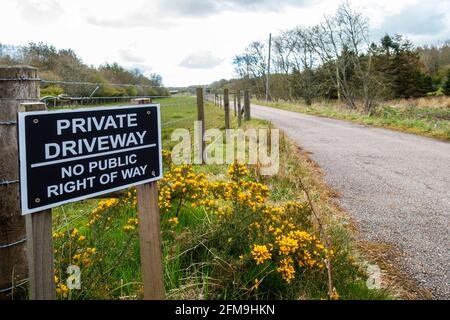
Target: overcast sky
193	41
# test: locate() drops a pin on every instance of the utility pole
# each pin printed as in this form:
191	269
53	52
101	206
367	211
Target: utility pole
268	68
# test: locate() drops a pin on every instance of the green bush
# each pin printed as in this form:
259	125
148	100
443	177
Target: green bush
438	93
447	84
51	90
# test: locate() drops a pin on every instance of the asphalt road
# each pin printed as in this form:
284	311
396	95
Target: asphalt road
395	186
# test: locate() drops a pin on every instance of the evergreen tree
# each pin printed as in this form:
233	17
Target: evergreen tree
447	84
400	63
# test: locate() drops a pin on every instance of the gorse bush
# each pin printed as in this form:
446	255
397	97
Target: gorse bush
262	247
90	247
266	239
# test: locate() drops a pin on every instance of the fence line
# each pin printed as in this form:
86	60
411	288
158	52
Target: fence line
84	83
221	98
17	285
58	100
63	98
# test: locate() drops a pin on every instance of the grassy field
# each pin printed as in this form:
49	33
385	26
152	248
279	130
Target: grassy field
227	231
425	116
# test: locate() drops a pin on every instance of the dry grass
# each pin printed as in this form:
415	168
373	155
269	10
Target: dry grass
395	279
341	107
428	116
425	102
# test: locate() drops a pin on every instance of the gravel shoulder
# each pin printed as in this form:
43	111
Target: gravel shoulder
395	186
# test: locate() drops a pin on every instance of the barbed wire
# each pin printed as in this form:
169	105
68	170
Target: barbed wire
81	82
8	123
13	243
19	284
7	182
98	84
68	98
20	79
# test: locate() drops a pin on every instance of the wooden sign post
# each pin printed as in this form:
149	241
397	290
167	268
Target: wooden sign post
150	242
54	170
40	242
150	239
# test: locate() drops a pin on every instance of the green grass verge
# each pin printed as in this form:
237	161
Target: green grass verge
426	121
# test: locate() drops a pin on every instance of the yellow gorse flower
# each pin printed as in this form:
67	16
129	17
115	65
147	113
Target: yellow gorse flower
287	270
174	220
74	233
260	254
62	290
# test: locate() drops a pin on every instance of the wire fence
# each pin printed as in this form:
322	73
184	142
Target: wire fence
63	99
84	83
67	101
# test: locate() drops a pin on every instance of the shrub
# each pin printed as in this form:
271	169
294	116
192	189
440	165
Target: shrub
447	84
51	90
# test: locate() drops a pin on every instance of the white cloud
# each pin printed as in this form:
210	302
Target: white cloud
201	60
419	21
40	11
211	7
130	55
156	35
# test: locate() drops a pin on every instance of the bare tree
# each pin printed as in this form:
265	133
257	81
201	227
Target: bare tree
338	48
252	64
342	43
354	27
282	61
304	60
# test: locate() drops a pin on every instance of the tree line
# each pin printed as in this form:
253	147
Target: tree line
65	65
335	59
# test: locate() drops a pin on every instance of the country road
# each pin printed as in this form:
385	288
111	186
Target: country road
395	186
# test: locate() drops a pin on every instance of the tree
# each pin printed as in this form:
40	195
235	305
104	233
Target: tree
341	42
64	64
282	49
252	65
447	84
305	60
401	66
